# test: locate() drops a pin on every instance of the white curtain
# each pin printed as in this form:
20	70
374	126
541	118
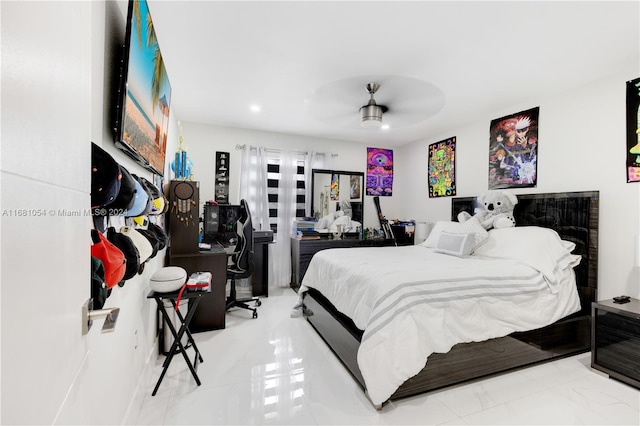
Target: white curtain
253	188
253	184
313	160
286	215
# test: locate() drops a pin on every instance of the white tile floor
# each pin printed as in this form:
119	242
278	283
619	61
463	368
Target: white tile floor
276	370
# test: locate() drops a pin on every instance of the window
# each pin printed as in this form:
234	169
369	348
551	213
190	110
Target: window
273	188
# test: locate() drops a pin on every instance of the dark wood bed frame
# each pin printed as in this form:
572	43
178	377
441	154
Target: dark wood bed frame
574	216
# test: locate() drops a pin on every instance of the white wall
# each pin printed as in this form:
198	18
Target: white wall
57	60
582	147
204	140
44	255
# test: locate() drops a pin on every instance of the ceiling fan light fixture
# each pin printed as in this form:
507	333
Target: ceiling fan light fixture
371	116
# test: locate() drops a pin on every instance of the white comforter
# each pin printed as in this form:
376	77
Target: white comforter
411	301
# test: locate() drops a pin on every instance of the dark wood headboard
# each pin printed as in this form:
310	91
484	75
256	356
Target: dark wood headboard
573	215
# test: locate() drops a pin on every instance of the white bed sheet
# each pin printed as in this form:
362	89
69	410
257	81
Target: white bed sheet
410	305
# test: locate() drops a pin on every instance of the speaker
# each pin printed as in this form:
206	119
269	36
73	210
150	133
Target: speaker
210	223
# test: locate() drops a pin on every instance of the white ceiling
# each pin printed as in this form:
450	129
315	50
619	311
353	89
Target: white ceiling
475	58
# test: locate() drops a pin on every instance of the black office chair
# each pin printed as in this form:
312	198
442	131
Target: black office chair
242	260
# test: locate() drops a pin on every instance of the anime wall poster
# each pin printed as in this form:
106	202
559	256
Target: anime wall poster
379	171
633	130
442	170
513	150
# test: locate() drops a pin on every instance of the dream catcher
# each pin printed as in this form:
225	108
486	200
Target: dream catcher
183	203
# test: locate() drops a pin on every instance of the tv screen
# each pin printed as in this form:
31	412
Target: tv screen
142	116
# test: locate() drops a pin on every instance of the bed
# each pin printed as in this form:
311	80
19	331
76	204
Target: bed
368	303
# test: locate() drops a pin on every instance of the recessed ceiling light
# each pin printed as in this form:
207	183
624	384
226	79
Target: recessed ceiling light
385	127
255	108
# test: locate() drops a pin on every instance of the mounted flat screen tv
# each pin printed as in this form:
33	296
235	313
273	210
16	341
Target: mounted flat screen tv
144	93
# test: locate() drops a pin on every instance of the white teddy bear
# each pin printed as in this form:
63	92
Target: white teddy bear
495	211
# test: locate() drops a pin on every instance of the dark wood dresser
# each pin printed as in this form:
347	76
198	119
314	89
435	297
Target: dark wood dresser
303	250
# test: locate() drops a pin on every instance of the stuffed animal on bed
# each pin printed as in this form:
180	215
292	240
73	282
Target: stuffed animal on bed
341	217
495	210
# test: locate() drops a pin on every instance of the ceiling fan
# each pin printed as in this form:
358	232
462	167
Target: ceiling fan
402	101
371	113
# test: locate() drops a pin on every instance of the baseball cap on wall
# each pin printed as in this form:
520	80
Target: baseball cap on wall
126	196
140	202
105	177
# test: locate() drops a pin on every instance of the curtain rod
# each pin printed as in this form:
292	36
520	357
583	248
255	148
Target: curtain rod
241	147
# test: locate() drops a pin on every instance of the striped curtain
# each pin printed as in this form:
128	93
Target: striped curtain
286	208
277	186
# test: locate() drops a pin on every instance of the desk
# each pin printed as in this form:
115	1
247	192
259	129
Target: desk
194	298
210	314
260	277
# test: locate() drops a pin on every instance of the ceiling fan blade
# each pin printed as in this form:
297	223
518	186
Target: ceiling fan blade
408	100
348	120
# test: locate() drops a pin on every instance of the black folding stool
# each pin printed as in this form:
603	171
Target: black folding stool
184	328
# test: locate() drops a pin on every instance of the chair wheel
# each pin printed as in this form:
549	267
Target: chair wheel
255	314
258	303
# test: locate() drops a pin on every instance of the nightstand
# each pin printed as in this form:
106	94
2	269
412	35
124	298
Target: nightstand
615	340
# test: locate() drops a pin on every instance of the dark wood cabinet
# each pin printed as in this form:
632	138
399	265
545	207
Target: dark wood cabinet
303	250
615	340
184	216
183	251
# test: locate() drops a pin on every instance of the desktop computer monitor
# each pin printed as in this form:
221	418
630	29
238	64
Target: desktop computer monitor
219	223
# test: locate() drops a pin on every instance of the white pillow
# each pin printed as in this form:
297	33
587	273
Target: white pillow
438	228
471	226
454	244
537	247
569	245
480	235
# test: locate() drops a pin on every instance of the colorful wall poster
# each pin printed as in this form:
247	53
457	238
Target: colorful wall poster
442	168
513	150
379	172
633	130
355	183
335	187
